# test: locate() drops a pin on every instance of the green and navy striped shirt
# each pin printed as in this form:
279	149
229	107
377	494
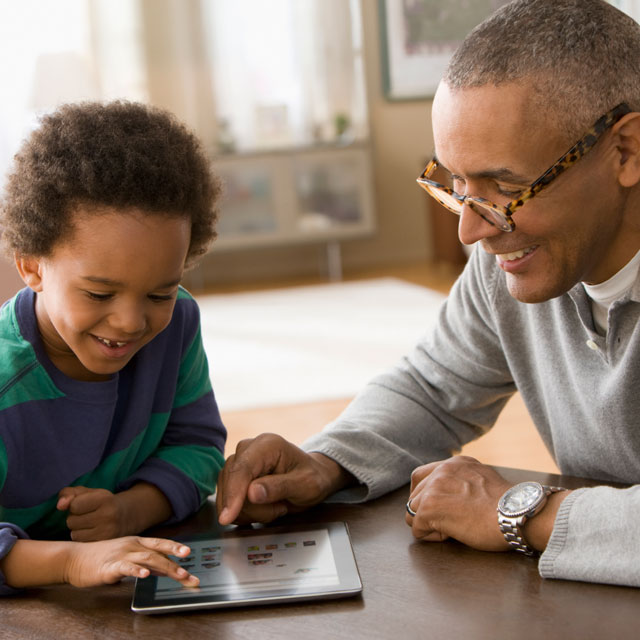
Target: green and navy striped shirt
154	421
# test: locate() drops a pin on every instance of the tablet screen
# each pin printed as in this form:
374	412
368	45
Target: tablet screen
258	566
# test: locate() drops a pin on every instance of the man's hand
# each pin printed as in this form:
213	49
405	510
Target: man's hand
268	477
457	498
98	514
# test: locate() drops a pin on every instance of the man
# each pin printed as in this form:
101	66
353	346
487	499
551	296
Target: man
537	122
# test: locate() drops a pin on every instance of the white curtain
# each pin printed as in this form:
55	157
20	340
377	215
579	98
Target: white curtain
280	72
63	51
285	70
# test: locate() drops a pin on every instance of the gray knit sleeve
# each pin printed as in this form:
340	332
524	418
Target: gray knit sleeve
595	538
446	392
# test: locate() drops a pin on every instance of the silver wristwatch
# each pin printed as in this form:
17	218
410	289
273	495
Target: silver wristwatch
517	505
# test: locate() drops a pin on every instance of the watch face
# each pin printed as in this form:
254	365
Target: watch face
520	499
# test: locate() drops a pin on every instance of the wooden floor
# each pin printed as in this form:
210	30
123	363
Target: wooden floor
513	442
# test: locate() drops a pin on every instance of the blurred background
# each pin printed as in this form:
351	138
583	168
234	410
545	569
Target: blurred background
315	112
317	115
287	95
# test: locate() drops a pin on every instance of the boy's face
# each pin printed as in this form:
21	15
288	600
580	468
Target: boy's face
107	290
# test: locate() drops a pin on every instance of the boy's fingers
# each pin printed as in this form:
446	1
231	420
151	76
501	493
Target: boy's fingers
163	545
86	533
159	563
73	491
123	569
81	505
141	557
67	491
135	569
63	503
88	501
66	496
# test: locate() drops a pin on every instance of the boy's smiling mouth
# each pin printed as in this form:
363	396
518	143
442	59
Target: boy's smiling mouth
114	346
117	349
110	343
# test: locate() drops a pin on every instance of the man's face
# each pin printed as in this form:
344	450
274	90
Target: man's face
496	143
109	289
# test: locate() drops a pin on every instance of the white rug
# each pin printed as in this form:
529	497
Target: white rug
305	344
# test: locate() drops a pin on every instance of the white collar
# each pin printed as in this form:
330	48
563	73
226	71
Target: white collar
604	294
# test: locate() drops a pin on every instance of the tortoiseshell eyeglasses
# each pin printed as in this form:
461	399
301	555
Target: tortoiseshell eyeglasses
500	215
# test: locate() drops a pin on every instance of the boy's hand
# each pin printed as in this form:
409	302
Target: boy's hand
98	514
94	514
268	477
105	562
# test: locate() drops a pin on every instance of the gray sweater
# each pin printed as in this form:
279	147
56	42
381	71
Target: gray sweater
580	388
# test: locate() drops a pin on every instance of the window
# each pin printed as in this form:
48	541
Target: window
286	72
53	53
263	74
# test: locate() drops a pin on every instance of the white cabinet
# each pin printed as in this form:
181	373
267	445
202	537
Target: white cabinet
311	194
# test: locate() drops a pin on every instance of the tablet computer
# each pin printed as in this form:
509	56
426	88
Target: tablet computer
257	566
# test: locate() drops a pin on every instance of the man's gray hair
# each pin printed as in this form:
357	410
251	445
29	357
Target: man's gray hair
582	57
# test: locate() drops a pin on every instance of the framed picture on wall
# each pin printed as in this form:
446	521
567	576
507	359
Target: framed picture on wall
419	36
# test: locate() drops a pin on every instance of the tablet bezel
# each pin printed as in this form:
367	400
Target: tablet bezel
145	601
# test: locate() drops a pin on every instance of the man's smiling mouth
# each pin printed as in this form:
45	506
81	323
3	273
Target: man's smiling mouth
514	255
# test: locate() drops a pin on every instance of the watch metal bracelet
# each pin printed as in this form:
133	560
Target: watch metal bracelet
512	535
510	526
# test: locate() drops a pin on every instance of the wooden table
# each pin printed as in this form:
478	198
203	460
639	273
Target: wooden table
411	590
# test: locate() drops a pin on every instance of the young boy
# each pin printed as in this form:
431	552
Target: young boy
108	423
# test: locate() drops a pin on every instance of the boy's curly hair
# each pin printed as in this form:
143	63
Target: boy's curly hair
121	154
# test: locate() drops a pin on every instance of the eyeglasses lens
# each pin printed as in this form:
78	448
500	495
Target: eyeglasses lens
490	215
452	203
445	198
